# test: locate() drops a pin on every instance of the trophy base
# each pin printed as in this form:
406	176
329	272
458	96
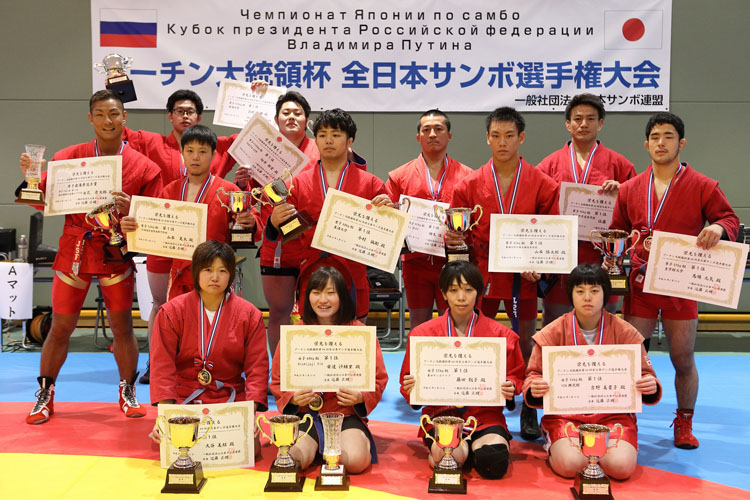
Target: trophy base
123	88
461	253
620	284
30	197
294	227
591	489
335	480
184	480
447	481
286	479
241	238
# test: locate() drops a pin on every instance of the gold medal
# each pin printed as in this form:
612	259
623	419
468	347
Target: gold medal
316	404
647	244
204	377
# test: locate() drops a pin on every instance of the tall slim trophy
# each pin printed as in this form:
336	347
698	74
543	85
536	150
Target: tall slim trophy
275	193
184	475
611	243
31	194
285	471
332	473
457	220
117	80
239	201
592	483
447	476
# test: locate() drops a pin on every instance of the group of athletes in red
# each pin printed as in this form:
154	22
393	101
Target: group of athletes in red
209	345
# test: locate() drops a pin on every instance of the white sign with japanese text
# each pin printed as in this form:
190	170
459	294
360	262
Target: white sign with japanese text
16	290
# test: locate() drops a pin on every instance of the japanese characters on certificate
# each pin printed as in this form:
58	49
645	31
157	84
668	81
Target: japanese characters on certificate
677	267
16	290
266	150
230	442
592	379
80	185
350	227
425	232
237	102
326	358
541	243
457	371
169	228
593	207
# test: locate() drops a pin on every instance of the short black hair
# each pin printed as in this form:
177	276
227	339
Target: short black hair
200	134
434	112
585	100
318	281
455	270
666	118
185	94
204	255
506	114
336	118
293	96
104	95
588	274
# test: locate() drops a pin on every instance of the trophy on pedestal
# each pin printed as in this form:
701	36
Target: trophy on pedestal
592	483
31	194
332	473
105	217
457	220
117	80
275	193
447	476
239	201
611	243
184	475
285	471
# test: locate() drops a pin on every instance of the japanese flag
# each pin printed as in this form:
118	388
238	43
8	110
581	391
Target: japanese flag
633	29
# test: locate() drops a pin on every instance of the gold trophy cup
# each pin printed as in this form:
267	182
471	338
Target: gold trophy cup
611	244
31	194
114	66
457	220
184	475
285	471
447	476
106	218
275	193
239	201
592	483
332	474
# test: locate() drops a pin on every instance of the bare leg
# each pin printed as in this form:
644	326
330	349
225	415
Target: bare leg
418	315
564	459
304	451
355	450
55	347
125	345
619	462
437	453
279	292
526	330
681	335
552	310
158	284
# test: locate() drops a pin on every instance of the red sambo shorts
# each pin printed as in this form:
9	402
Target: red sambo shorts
553	427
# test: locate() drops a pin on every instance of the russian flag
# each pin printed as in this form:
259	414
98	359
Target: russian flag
127	28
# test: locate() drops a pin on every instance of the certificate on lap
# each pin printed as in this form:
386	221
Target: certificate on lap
79	185
326	358
237	102
593	207
592	379
168	228
677	267
350	227
457	371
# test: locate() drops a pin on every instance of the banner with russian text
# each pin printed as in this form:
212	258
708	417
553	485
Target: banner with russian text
396	55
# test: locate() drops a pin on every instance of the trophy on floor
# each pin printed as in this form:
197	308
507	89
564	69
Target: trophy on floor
239	201
184	475
612	243
275	193
457	220
332	473
447	476
285	472
117	80
31	194
592	483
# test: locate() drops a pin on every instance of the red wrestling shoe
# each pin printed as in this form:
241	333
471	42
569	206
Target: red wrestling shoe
683	430
128	403
44	406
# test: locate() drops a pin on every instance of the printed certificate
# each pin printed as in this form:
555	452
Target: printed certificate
592	378
593	207
326	358
677	267
236	102
169	228
352	228
541	243
230	443
80	185
266	150
457	371
425	232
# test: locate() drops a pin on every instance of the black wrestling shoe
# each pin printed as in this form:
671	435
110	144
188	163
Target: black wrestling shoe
529	425
146	377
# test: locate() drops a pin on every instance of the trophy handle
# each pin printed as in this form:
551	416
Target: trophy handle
570	441
422	420
442	218
159	420
616	426
229	209
210	426
306	417
257	422
127	61
100	68
476	221
256	193
472	430
406	201
286	173
598	246
637	234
